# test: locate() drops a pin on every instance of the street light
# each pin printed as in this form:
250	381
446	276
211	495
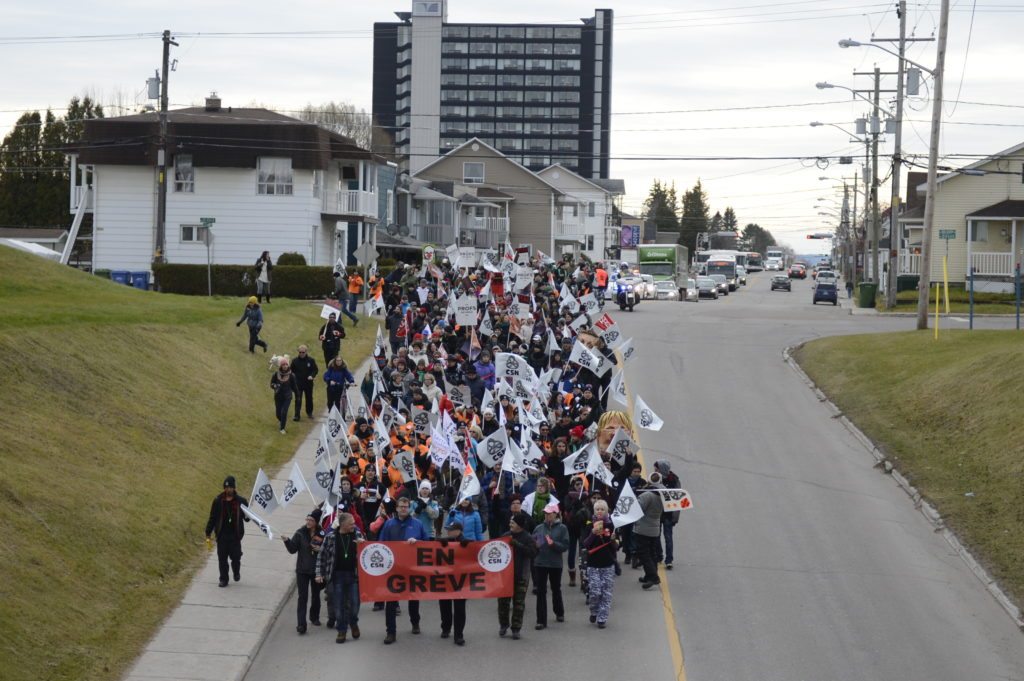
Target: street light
850	42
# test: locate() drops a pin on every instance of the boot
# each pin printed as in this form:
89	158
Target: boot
572	578
259	298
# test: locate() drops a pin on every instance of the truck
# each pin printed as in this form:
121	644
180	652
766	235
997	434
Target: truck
665	262
774	259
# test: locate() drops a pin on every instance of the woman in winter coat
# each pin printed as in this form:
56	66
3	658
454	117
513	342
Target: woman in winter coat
601	550
536	501
284	385
338	378
252	315
264	266
468	518
430	388
304	543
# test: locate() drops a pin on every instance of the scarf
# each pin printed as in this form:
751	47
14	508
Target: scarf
284	376
540	500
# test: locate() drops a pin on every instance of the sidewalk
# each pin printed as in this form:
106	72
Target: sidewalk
215	633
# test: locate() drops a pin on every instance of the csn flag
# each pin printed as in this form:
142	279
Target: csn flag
627	509
645	416
263	494
264	527
470	486
293	486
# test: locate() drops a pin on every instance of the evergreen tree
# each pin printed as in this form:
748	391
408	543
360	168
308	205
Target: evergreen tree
660	206
758	238
716	222
695	216
729	223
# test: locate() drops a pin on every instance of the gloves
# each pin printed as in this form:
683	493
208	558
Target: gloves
237	324
463	542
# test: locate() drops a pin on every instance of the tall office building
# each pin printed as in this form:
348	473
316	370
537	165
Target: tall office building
540	93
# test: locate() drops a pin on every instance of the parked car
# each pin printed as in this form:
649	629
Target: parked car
666	290
722	282
797	272
741	274
648	288
692	292
782	283
707	288
825	291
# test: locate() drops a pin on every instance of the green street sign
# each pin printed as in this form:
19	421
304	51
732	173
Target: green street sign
206	222
947	234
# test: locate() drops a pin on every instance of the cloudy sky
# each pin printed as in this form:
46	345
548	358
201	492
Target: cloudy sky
688	80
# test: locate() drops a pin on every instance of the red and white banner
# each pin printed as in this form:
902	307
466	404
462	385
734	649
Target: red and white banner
428	571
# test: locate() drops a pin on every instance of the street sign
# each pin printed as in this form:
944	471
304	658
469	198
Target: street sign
366	253
206	222
947	234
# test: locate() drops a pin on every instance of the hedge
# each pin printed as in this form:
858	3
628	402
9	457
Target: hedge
291	259
287	281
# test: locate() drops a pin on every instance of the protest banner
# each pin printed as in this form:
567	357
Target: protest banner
263	496
293	486
627	509
327	310
621	446
609	330
492	448
428	571
675	500
645	416
512	366
465	311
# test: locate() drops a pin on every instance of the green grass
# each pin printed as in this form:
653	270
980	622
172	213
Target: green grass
984	302
948	414
120	414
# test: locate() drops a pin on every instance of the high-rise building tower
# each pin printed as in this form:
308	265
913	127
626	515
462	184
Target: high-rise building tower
539	93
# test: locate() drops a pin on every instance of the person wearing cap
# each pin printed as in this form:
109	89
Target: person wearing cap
225	521
425	508
355	288
485	369
646	530
330	335
336	565
453	610
252	315
305	369
668	520
524	550
302	544
552	539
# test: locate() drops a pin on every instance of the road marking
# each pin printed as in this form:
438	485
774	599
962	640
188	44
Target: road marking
675	644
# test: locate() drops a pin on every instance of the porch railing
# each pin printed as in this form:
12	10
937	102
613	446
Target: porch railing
1000	264
350	202
486	223
483	238
568	227
442	235
910	263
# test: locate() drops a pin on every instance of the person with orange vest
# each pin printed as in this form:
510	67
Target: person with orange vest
355	287
600	281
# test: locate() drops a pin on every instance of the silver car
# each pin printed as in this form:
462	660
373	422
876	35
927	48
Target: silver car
692	292
648	289
741	274
666	290
722	283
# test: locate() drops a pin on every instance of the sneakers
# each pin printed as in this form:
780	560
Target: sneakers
459	641
515	635
668	565
416	629
650	585
283	432
340	637
389	639
355	631
502	632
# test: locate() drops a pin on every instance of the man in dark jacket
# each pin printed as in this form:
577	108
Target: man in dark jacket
305	544
330	336
305	369
524	549
225	521
668	520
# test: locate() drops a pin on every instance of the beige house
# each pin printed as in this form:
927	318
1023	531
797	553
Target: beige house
491	195
982	208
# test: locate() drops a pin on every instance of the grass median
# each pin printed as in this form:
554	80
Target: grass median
947	413
959	302
121	413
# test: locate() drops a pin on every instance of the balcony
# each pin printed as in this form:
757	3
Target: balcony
568	227
441	235
483	238
992	264
909	263
77	192
350	202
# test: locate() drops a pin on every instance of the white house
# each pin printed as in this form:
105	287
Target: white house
593	201
270	182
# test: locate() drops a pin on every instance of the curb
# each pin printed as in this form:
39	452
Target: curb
930	513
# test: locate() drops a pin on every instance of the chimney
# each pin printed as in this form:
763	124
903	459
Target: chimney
213	102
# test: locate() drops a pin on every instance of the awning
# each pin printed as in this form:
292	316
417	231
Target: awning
428	194
1004	210
470	200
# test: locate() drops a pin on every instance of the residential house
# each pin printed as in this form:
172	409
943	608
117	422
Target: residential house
595	202
271	183
982	208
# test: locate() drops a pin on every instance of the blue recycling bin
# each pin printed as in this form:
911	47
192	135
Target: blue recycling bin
121	277
140	280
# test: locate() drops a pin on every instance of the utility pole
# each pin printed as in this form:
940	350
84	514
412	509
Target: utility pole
933	162
875	219
897	167
161	156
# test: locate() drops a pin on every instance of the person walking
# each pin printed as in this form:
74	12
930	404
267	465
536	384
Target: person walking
225	522
338	379
646	530
355	287
849	288
601	552
668	520
302	544
524	550
331	335
337	565
552	539
341	293
283	384
264	266
252	315
453	610
403	527
305	369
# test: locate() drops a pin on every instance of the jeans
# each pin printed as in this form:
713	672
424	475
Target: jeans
546	576
666	532
353	302
307	392
281	405
254	338
262	289
646	549
518	606
456	607
306	584
348	313
228	547
345	587
391	615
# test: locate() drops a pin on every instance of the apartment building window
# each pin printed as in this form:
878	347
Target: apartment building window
472	172
540	97
567	81
403	72
477	64
509	128
404	54
537	112
539	48
193	234
565	112
538	145
509	112
538	161
510	96
590	242
481	79
402	120
454	79
567	48
481	128
481	48
511	32
538	64
538	81
318	183
449	143
567	97
403	87
184	174
453	127
565	128
402	103
591	208
453	95
453	111
562	33
510	64
511	48
477	111
510	80
481	95
539	32
538	128
454	63
569	162
483	32
510	143
455	32
566	145
455	48
274	176
567	64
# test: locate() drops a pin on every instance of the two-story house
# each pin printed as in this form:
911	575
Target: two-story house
593	203
271	183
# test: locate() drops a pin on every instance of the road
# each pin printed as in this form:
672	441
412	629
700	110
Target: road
799	560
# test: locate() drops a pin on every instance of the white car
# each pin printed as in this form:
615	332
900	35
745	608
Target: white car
692	292
666	290
648	289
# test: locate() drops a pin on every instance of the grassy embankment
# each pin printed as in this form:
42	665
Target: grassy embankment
984	303
948	413
121	411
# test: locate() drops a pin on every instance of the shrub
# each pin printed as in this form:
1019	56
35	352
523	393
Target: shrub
287	259
288	281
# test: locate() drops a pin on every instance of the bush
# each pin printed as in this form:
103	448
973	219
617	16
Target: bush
286	259
288	281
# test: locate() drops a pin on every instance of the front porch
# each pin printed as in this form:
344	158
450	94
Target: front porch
994	240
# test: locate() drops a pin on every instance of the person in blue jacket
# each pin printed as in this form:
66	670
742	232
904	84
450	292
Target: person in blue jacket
338	379
403	527
468	518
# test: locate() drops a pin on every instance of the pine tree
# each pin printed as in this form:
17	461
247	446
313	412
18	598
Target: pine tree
758	238
729	222
661	207
695	216
716	222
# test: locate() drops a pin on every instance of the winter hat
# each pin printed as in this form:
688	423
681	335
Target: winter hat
315	514
662	466
551	508
521	519
456	525
425	484
577	432
252	300
229	481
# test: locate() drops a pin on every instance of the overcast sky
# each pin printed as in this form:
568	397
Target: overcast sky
668	57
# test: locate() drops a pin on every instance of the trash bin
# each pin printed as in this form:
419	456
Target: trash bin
866	294
121	277
907	282
140	280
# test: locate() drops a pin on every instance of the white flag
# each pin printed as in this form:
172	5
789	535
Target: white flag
627	509
489	401
324	447
421	421
404	464
320	483
628	351
583	356
578	323
465	310
335	423
533	456
580	461
263	496
512	461
622	446
264	527
492	448
568	300
440	451
675	500
470	486
459	394
379	342
553	345
293	486
512	366
589	303
645	416
618	387
381	438
609	330
486	326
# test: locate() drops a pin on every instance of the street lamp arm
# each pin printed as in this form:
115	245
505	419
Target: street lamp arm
849	42
824	85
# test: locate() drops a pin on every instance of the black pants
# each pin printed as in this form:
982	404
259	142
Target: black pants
391	615
307	583
331	351
647	551
281	403
546	576
459	618
306	390
254	338
228	547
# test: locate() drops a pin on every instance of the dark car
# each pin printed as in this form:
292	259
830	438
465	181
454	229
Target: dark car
707	288
797	272
782	283
825	291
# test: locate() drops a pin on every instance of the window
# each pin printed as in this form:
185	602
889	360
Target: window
568	33
566	145
481	79
455	32
453	111
402	120
591	207
483	32
538	128
567	81
567	64
567	97
481	128
515	128
454	79
481	48
453	95
510	48
403	72
402	103
538	161
475	111
510	96
454	63
481	95
510	64
404	55
567	48
980	231
184	174
510	143
565	112
318	183
449	143
511	32
538	145
538	64
193	234
472	173
274	176
565	129
481	64
455	48
539	81
537	112
458	127
538	48
403	87
590	242
542	97
509	112
510	81
539	32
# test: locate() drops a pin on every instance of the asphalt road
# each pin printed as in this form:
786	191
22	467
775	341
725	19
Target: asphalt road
799	560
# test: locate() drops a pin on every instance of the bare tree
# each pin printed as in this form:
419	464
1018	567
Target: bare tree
342	118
